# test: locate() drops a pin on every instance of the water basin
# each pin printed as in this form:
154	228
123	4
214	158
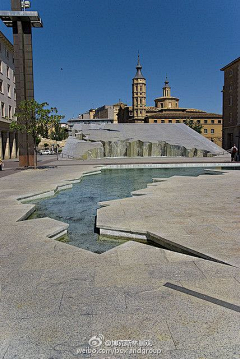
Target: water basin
78	206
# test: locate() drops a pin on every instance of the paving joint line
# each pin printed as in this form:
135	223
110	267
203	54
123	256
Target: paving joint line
204	297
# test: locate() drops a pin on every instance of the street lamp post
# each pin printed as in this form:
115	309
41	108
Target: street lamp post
22	22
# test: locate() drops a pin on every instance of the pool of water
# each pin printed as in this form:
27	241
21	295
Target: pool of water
78	206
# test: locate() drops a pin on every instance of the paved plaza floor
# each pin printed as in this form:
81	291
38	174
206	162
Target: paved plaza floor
136	300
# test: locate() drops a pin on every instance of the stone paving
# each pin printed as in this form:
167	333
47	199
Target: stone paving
199	213
55	297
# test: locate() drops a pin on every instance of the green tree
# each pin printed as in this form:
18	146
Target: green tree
58	133
194	125
38	140
33	118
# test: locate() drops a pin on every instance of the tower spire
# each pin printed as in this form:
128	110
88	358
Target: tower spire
166	88
139	68
166	81
139	94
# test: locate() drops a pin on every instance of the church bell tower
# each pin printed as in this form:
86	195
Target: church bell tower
139	95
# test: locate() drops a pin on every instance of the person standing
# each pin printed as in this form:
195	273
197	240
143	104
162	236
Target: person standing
1	164
233	151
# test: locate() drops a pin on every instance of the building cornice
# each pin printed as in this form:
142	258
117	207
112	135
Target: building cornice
166	98
6	41
230	64
184	115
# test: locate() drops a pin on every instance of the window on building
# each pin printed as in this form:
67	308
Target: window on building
1	86
177	121
212	121
9	90
230	87
230	72
162	121
212	130
8	72
140	112
7	53
155	121
1	66
161	105
169	121
230	117
198	121
230	101
205	130
184	121
141	88
2	109
205	121
15	95
0	47
10	112
140	101
135	88
219	121
170	105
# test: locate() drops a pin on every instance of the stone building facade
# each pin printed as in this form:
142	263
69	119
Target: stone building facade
8	139
167	110
108	112
139	95
87	115
231	103
103	114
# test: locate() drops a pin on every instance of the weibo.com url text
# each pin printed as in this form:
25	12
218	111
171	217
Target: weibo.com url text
112	351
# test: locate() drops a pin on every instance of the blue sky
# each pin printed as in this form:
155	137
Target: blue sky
96	43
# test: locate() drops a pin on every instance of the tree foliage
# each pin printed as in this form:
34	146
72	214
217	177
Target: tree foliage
58	133
194	125
35	119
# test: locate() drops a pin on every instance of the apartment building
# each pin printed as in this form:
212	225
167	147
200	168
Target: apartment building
8	140
231	103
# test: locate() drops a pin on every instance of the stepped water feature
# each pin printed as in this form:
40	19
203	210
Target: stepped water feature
137	140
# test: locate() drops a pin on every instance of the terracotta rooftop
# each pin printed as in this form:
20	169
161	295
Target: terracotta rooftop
184	115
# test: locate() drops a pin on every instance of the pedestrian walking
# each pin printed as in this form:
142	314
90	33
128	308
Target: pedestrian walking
233	151
1	164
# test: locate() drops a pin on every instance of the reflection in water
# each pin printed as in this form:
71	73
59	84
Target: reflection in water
78	206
